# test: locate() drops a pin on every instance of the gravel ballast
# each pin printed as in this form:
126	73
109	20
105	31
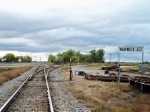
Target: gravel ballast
63	100
9	87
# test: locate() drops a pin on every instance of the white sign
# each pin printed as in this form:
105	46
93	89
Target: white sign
131	48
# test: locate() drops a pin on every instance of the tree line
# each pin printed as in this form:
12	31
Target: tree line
10	57
94	56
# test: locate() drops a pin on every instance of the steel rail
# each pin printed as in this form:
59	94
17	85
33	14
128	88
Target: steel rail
38	72
34	72
53	68
10	100
48	92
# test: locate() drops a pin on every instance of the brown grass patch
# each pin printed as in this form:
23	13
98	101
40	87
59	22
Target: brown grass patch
104	95
137	107
50	64
65	67
123	108
144	99
8	75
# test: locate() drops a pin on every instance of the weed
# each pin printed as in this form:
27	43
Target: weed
104	95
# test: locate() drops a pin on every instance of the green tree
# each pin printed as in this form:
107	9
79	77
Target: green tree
51	58
78	55
17	58
97	56
25	58
22	58
85	58
100	56
67	55
9	57
28	58
59	57
93	56
0	59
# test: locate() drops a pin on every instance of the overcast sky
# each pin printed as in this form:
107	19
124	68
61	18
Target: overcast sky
41	27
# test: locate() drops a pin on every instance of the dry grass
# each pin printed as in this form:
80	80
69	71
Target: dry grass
108	96
64	67
50	64
8	75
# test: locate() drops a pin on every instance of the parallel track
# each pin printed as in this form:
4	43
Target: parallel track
32	95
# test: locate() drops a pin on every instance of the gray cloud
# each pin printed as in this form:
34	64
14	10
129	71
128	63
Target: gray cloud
57	27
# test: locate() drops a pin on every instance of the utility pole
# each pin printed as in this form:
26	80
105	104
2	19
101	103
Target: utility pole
110	57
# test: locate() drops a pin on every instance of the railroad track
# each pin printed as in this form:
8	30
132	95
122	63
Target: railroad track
32	95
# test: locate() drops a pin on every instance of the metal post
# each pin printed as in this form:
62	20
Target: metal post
70	71
118	67
142	63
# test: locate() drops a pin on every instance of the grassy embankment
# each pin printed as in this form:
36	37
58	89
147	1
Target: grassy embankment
8	75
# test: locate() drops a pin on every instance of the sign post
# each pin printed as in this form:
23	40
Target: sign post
118	67
142	64
128	49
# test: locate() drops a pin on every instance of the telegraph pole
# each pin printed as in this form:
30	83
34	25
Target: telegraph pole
110	57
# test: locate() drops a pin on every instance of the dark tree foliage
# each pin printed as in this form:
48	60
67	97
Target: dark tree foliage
100	56
96	56
93	55
10	57
51	58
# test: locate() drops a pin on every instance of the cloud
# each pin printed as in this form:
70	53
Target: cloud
41	26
